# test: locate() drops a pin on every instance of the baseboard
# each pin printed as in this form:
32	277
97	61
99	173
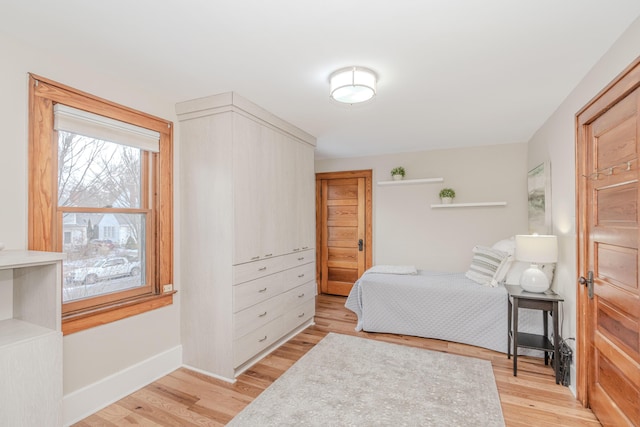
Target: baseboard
90	399
210	374
572	380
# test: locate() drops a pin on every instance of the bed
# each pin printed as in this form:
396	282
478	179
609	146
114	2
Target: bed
445	306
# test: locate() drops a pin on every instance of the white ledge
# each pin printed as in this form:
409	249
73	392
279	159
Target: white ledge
469	205
411	181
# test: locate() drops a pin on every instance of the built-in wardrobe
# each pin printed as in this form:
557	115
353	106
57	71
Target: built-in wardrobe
247	232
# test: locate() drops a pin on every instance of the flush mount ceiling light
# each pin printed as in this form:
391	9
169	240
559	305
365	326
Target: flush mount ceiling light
352	85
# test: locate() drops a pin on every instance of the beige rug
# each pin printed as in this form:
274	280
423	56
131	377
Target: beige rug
352	381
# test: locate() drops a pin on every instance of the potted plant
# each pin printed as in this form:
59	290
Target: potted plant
397	173
447	195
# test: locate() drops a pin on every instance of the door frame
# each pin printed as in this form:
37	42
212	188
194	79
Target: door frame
367	174
625	83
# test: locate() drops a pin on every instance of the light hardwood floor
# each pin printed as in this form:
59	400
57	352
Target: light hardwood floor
187	398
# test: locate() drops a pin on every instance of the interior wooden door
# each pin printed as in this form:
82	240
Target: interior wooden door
608	137
344	239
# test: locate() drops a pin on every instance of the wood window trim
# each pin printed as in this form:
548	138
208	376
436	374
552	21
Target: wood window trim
110	313
44	234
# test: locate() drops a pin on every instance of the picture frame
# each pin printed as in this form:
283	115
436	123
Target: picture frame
539	199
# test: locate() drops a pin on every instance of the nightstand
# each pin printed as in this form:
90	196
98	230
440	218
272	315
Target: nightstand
548	303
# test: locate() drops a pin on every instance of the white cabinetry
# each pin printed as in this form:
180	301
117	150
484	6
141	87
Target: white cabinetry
30	338
248	234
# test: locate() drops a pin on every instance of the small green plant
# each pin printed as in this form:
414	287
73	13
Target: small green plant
398	171
447	192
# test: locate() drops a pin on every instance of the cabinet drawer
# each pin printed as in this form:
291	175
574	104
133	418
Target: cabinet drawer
255	316
255	291
298	258
254	342
298	315
254	270
300	294
297	276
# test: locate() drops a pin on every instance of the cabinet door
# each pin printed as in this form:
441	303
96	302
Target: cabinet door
248	192
274	192
305	197
288	212
272	166
31	388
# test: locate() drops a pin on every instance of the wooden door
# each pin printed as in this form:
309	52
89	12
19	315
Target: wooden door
344	234
609	331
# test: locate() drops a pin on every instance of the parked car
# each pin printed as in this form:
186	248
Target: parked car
108	244
107	268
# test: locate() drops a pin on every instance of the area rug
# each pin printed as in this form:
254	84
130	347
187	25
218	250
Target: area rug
352	381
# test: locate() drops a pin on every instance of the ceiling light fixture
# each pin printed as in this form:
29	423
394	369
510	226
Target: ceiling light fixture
352	85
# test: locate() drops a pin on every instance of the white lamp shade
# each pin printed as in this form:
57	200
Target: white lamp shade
352	85
538	249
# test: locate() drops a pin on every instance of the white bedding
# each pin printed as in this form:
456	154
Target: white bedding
446	306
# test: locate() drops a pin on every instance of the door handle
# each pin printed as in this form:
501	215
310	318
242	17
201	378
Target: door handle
588	282
360	245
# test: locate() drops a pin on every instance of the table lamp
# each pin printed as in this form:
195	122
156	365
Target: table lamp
536	249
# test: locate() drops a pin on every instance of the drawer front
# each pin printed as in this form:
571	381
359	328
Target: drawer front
300	294
257	315
298	258
298	315
255	291
299	275
254	342
254	270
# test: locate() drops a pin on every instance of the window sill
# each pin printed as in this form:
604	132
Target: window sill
76	322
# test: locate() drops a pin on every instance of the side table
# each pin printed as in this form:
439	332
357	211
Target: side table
547	302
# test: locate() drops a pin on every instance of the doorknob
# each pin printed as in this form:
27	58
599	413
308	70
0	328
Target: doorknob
360	244
588	282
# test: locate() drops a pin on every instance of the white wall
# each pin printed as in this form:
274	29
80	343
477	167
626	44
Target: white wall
406	230
555	141
100	353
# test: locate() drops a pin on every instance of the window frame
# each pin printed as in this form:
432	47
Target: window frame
45	217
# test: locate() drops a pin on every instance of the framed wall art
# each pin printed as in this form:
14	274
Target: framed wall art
539	198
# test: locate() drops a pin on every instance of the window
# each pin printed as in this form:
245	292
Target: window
108	170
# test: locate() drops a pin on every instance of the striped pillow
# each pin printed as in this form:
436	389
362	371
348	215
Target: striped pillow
485	265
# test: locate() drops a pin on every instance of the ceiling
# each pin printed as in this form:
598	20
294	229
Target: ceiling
452	73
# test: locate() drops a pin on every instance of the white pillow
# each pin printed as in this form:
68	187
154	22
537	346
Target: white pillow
506	245
501	275
518	267
485	264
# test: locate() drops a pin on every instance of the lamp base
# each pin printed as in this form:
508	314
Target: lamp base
534	280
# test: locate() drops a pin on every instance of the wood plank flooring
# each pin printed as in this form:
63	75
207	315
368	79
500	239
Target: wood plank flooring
187	398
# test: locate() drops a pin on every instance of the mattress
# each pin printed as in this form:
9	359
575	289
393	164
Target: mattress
445	306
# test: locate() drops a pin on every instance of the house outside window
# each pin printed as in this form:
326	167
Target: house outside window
109	232
113	187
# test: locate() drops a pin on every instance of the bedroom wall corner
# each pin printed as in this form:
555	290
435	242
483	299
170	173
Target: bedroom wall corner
406	230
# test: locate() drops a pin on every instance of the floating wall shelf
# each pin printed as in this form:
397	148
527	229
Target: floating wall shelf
412	181
468	205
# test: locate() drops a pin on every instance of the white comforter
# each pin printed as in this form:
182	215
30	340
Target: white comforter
445	306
